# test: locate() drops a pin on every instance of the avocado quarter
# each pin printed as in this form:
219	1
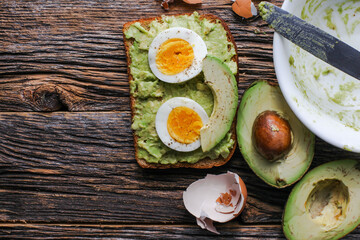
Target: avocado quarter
325	203
223	85
290	166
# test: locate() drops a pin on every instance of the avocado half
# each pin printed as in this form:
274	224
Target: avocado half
325	203
261	97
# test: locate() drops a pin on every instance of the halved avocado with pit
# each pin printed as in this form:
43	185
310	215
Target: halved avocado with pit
325	203
259	139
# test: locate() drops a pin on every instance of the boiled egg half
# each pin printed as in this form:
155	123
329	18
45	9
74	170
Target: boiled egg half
178	122
175	55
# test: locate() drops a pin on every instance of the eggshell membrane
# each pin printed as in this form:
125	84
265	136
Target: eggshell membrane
199	47
162	116
200	198
243	192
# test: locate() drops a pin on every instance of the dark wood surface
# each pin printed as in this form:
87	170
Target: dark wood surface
67	167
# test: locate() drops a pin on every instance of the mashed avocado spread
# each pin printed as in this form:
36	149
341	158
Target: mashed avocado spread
150	93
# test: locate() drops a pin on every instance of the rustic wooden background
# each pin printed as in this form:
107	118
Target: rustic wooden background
67	167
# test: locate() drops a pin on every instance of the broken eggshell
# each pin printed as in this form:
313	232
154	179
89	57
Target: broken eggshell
218	198
165	3
193	1
244	8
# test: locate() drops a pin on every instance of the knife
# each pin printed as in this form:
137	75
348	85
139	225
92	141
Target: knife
312	39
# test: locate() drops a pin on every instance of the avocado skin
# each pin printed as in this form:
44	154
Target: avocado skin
347	172
259	97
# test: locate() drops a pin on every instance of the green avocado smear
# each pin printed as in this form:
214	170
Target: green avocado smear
150	93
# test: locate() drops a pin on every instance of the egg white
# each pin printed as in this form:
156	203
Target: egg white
162	116
199	48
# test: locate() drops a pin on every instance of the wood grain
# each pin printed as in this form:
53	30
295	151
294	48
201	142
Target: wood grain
80	167
67	167
68	55
87	231
63	231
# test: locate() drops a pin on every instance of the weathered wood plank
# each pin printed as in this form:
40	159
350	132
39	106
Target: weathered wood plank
68	55
54	92
85	231
63	231
80	167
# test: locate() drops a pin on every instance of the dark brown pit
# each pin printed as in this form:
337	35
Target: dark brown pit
272	135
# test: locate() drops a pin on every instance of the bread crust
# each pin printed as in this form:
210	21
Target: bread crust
203	163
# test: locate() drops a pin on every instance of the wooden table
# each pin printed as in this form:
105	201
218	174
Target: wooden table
67	167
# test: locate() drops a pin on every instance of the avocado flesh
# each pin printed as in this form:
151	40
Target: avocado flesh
283	172
325	203
223	85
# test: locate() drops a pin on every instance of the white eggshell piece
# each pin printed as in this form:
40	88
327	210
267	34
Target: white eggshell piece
199	48
162	116
253	9
206	223
200	199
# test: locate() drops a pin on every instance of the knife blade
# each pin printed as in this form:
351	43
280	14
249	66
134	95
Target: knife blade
312	39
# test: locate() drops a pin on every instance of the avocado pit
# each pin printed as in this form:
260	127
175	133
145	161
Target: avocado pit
272	135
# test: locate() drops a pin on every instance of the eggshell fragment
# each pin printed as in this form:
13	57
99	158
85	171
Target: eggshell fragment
244	8
193	1
165	4
218	198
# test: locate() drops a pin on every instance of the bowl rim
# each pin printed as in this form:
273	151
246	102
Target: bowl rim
331	131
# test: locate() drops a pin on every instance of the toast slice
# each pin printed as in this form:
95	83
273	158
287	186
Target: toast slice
205	162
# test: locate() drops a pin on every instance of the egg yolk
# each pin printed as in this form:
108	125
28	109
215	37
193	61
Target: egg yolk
174	56
184	125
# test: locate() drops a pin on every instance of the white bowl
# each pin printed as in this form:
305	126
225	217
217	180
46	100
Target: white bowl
325	99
